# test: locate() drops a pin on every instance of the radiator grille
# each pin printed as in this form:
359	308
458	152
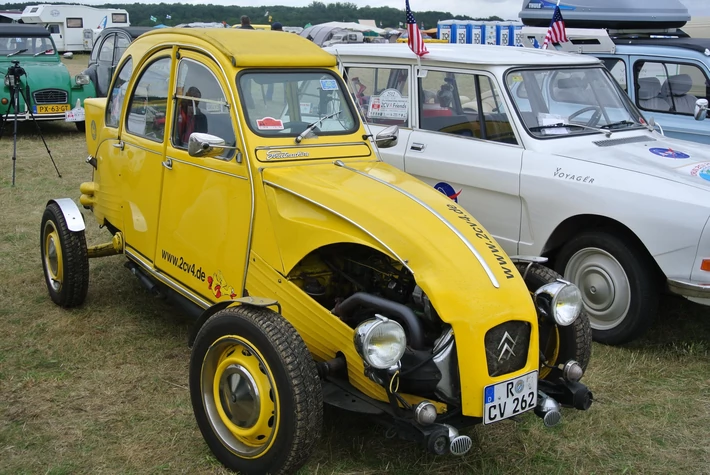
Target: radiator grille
50	96
507	347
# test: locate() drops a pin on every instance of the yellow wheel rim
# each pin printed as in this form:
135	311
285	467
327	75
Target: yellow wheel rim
240	398
53	263
551	353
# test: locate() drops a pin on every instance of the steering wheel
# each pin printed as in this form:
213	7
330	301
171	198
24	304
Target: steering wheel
592	120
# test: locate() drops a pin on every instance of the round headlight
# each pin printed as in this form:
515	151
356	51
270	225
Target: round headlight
559	300
567	305
380	342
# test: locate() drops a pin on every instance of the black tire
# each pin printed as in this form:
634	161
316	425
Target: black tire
253	337
80	126
573	342
64	259
598	261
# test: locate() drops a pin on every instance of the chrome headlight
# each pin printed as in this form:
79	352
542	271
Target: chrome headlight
82	79
380	342
559	300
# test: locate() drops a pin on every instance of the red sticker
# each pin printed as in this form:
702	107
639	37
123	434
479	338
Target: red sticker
269	123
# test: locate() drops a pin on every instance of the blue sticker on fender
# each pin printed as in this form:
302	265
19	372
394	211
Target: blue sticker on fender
448	190
669	153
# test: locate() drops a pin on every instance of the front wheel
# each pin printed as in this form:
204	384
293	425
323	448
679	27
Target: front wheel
618	284
64	258
558	344
255	391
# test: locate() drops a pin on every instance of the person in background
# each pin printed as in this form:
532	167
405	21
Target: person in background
275	26
246	23
190	118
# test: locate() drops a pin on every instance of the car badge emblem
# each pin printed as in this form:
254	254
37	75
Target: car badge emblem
506	346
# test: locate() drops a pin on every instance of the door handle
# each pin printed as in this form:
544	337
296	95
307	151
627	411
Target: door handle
119	145
168	163
417	147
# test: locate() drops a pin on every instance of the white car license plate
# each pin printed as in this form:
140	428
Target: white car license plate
509	398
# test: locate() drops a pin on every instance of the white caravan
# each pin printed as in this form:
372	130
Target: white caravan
72	26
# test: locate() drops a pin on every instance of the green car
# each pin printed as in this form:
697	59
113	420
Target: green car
28	55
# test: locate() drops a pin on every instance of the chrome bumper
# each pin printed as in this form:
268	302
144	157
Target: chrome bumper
24	116
689	289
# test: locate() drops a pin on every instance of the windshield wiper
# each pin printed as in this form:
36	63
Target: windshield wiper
562	124
617	124
17	52
41	53
315	124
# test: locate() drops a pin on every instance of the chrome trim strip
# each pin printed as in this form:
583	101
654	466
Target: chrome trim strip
145	149
361	228
167	280
311	145
689	289
185	162
451	227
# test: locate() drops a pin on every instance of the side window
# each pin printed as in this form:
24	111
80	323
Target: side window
467	105
54	29
122	43
382	94
669	87
149	101
74	22
617	68
201	106
106	53
118	94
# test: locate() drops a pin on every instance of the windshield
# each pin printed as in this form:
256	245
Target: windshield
26	46
286	104
563	102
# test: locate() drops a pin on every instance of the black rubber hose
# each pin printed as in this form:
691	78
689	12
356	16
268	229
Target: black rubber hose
396	311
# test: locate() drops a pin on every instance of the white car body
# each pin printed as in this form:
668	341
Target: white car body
536	194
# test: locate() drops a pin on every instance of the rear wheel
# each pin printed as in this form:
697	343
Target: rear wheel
64	259
255	391
618	284
558	344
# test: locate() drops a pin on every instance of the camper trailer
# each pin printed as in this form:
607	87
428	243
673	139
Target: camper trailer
72	26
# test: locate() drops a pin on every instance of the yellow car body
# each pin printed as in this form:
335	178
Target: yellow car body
243	228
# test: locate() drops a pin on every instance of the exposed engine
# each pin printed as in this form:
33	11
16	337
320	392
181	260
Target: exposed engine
356	282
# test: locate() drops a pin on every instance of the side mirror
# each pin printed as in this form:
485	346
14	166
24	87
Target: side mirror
206	145
388	138
701	109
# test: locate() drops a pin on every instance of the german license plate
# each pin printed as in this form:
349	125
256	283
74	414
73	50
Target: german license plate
52	108
509	398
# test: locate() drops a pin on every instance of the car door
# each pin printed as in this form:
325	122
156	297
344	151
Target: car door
206	202
667	89
104	64
466	147
140	152
382	94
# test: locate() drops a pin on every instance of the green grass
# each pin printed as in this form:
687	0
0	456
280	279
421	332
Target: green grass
103	388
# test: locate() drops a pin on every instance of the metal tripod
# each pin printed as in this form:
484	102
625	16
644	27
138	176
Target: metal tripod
15	94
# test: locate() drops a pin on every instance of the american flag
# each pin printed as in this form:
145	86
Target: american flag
556	33
415	41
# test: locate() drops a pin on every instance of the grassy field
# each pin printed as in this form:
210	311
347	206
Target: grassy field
103	388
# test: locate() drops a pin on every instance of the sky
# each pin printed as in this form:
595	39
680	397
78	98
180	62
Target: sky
507	9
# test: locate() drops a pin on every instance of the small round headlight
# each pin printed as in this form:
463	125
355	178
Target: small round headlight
559	300
380	342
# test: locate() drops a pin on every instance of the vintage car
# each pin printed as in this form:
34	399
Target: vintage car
316	272
46	85
550	154
107	51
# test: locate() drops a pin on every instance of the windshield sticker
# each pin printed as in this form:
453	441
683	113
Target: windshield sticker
448	190
572	177
306	107
390	104
275	154
269	123
701	170
669	153
329	84
552	119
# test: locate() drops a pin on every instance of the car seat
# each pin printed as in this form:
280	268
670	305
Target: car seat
649	95
676	89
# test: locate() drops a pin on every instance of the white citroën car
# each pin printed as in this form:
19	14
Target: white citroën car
554	159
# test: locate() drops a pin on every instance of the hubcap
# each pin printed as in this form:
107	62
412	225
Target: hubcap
239	396
53	256
605	287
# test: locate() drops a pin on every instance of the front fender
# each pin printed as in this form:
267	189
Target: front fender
72	215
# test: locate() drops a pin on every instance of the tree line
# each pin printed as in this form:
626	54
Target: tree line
171	14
